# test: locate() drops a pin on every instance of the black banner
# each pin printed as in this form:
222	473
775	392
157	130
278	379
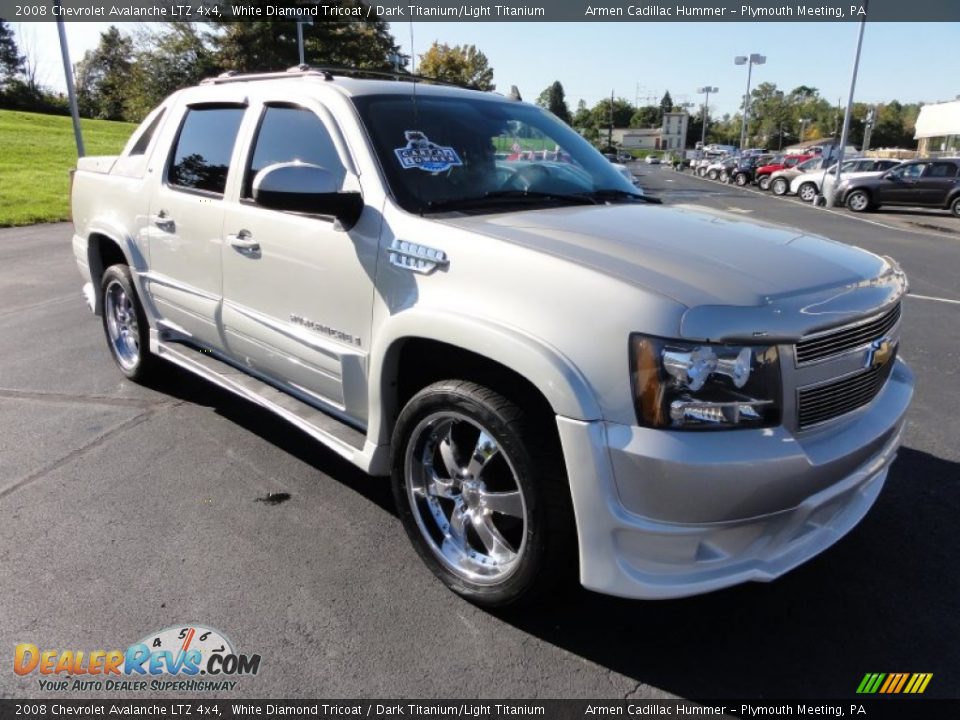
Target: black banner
499	11
866	707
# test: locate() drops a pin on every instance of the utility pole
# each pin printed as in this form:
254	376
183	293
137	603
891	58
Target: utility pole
68	76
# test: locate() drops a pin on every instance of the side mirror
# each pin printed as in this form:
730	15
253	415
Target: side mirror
306	188
889	176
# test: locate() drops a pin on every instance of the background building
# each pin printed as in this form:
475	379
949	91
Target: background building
671	135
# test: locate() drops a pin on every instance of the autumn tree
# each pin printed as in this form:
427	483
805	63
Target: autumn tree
464	65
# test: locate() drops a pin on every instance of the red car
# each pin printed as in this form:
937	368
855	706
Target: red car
781	162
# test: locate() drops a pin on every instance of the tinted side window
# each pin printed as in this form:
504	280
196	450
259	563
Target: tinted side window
140	147
291	133
912	172
201	158
941	170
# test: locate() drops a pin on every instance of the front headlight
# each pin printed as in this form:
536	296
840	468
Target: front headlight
683	385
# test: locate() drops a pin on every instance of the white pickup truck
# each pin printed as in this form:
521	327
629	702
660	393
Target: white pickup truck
560	377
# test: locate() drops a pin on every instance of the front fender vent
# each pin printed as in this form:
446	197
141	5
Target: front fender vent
416	258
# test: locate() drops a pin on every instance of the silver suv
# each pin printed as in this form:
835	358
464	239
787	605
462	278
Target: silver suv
454	289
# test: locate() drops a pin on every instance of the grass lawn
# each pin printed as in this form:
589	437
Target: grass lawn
36	153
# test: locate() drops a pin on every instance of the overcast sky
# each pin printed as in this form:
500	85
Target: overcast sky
910	62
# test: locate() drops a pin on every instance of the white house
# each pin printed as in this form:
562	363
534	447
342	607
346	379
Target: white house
671	135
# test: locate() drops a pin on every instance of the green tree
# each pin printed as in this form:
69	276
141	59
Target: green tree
263	46
647	116
582	117
464	65
622	113
554	100
103	76
174	56
11	61
666	105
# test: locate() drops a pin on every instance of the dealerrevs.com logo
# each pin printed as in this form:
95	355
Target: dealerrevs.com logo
191	658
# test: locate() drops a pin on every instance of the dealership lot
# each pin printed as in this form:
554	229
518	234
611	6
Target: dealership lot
126	510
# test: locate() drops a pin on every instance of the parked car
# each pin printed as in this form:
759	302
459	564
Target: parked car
764	173
807	186
699	166
745	170
920	183
721	167
652	160
780	180
350	255
623	157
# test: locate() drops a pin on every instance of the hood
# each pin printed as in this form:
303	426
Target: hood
690	254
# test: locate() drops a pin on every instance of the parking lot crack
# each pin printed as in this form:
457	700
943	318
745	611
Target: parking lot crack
74	454
80	399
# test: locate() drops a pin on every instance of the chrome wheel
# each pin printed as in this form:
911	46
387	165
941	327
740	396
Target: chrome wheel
779	186
122	327
764	182
465	497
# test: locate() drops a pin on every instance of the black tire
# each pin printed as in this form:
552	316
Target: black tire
526	455
129	347
713	174
741	179
764	182
955	206
780	186
858	201
807	192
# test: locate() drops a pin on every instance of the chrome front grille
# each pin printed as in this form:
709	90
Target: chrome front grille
840	340
824	402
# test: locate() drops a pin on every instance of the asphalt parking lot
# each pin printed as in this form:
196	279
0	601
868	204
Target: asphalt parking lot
125	509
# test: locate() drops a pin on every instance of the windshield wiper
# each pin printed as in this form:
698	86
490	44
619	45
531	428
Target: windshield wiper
496	197
609	194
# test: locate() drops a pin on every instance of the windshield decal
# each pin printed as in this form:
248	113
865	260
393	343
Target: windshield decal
421	153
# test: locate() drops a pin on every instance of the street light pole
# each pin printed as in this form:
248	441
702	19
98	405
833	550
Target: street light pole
300	24
71	89
706	90
844	135
749	61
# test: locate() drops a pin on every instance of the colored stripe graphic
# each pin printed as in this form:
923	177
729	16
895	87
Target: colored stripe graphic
894	683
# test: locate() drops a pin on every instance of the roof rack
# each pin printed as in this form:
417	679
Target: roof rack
327	73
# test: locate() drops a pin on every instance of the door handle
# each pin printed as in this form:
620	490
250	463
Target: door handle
243	242
163	221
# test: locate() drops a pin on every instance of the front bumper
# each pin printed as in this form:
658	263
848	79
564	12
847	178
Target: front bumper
664	514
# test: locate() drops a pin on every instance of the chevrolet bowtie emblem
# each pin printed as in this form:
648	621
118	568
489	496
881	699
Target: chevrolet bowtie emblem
879	353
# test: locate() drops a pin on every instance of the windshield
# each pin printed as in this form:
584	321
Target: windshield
450	153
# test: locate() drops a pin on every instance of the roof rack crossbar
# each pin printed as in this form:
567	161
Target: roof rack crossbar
327	73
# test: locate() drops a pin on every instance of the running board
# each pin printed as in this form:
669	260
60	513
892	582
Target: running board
343	439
